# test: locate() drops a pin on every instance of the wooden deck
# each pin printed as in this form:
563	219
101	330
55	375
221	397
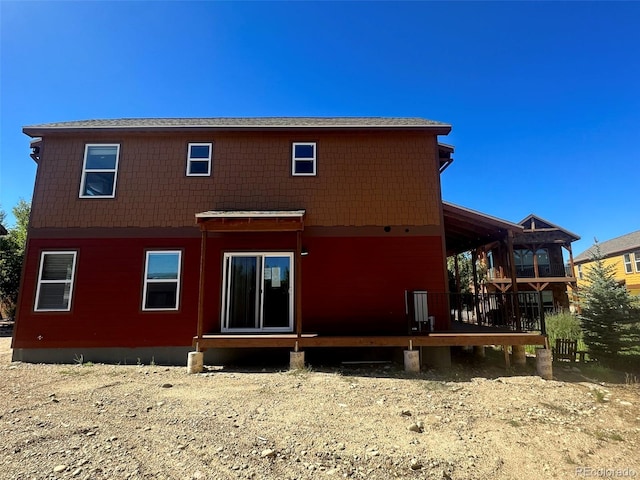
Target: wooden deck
309	340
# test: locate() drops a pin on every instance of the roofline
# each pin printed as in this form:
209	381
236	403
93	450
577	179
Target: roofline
614	253
577	237
504	223
38	131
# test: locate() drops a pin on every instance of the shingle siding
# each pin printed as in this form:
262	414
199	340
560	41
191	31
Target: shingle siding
363	179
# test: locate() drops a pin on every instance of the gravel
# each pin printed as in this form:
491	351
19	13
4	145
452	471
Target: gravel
142	422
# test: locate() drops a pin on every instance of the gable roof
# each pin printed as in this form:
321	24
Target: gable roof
534	222
625	243
236	123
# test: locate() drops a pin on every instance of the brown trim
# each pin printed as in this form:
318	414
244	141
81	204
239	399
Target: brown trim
374	231
251	224
314	340
298	283
203	252
118	232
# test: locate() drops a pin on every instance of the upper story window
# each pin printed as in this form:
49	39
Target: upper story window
99	171
637	257
199	159
303	159
55	281
580	272
627	263
162	280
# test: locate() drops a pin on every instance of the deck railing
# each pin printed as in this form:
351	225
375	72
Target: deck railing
483	310
558	270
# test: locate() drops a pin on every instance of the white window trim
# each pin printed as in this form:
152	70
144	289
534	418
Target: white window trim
163	280
294	159
224	311
626	259
99	170
208	159
636	255
579	272
41	281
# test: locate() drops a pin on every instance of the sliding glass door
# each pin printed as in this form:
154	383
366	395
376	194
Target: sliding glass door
257	293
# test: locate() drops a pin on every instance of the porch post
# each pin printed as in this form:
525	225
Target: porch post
543	324
456	269
298	282
476	296
514	281
203	252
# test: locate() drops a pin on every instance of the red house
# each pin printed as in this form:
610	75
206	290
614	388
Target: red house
149	237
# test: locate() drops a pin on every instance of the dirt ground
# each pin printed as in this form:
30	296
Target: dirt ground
475	421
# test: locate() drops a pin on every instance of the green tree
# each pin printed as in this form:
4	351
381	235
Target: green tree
12	248
610	315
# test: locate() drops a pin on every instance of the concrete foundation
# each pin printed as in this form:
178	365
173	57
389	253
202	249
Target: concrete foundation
478	351
544	364
438	357
296	360
412	361
518	355
195	362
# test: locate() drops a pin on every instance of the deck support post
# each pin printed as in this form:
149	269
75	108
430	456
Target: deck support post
412	361
195	362
296	360
544	363
507	359
518	355
438	357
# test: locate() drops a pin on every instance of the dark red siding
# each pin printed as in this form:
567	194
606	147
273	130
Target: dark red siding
356	285
350	285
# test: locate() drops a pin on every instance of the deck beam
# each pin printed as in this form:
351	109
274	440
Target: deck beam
313	340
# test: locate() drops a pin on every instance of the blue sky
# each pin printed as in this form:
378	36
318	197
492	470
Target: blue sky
544	98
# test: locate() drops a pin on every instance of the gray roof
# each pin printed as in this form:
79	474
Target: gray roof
552	225
238	123
626	243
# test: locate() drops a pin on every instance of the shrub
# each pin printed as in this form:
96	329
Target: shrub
563	325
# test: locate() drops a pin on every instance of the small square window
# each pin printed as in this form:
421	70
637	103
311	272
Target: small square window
55	281
161	280
99	171
304	159
199	159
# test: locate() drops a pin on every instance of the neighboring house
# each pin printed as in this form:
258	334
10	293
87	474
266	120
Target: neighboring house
543	272
150	236
623	253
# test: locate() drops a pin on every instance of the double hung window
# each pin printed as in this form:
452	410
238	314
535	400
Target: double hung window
199	159
55	281
303	159
162	280
99	171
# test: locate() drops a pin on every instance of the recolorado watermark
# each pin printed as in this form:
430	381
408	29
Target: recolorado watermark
591	472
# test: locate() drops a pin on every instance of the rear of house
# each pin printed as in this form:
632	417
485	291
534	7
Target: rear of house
144	232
